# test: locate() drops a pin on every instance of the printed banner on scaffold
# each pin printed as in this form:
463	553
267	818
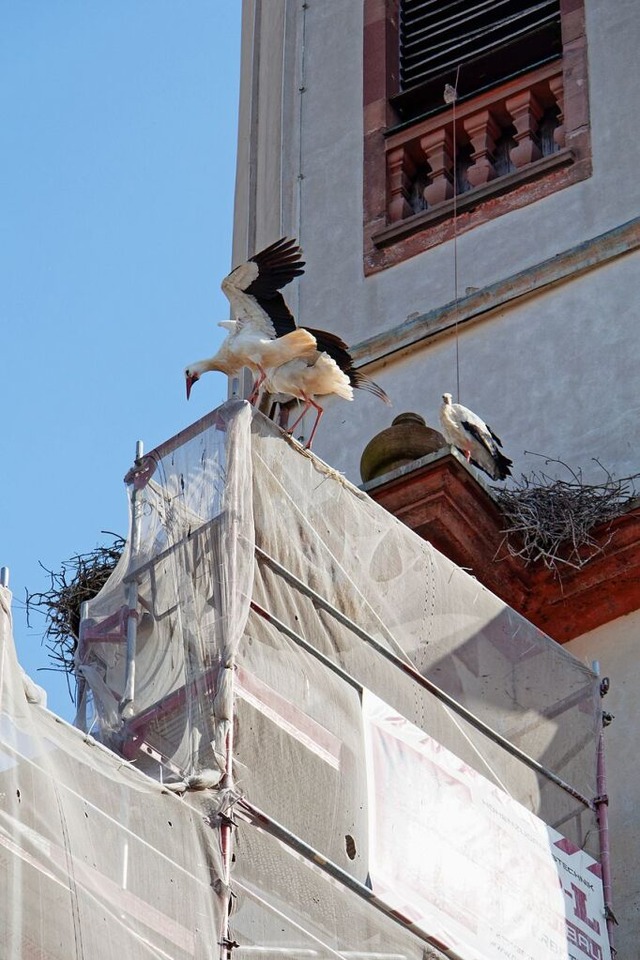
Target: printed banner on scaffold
455	854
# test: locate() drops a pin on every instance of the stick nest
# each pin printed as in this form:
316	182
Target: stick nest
79	579
550	521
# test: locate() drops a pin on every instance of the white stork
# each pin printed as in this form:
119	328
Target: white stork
465	430
329	371
263	333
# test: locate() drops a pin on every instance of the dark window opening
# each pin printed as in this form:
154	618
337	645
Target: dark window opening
482	43
463	162
502	153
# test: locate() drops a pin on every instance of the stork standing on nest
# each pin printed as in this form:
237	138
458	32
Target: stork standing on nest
263	333
329	372
464	429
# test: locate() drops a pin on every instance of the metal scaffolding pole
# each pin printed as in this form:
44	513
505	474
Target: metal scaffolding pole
602	816
126	704
262	820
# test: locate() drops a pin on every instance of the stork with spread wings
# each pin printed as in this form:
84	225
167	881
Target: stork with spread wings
263	333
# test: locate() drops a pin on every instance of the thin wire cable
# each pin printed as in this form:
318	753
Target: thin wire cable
302	87
301	92
455	231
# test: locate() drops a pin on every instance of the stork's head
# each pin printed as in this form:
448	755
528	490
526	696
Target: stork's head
195	370
193	373
446	398
190	377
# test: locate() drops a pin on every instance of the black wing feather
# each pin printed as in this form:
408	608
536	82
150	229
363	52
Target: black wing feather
502	463
332	344
339	352
281	317
494	435
277	266
503	466
473	430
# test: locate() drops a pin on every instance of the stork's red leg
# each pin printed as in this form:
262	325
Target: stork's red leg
306	406
315	426
262	376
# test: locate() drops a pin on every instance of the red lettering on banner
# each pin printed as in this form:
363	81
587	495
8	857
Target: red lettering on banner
584	943
580	909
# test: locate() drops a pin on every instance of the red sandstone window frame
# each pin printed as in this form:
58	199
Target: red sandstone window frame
392	231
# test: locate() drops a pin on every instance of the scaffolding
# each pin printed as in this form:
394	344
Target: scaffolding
391	762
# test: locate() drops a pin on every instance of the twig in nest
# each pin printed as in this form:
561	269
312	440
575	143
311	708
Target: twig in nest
79	579
550	521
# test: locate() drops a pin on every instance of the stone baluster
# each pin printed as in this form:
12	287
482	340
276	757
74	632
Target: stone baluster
400	171
437	147
556	85
526	112
483	131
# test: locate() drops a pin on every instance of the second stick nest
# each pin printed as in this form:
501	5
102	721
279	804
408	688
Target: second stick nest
79	578
551	521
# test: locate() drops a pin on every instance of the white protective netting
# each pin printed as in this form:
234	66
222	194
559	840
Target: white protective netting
259	597
183	586
96	860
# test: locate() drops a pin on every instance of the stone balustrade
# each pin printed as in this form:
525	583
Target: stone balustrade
497	133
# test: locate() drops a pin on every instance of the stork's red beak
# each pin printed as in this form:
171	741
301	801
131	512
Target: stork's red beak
190	382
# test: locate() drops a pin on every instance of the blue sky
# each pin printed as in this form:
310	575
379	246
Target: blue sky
117	159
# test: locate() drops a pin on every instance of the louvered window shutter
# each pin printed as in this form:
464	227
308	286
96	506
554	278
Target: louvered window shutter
487	40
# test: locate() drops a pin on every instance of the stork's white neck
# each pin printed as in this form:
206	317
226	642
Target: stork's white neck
204	366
